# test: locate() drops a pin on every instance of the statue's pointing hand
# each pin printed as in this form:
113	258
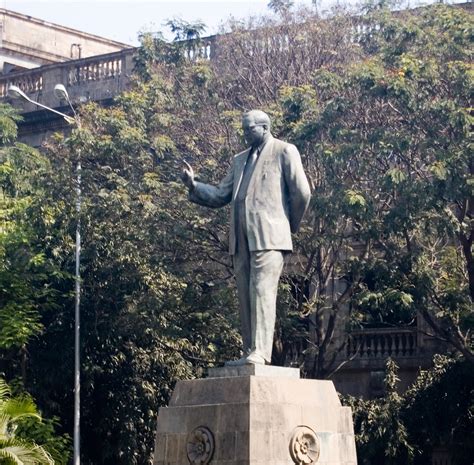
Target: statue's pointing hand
188	175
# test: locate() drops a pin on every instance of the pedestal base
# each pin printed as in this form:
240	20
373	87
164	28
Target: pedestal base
265	417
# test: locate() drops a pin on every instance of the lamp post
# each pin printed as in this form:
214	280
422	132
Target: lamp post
61	93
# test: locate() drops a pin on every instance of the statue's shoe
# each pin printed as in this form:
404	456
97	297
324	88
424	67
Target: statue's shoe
255	359
251	359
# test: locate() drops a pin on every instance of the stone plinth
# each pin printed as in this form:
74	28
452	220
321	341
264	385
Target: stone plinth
253	370
254	415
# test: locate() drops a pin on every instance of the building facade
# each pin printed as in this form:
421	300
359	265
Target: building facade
27	42
35	55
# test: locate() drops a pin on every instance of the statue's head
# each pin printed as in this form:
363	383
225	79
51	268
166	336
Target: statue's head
256	125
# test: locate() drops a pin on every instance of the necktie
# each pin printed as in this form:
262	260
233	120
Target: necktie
251	160
247	174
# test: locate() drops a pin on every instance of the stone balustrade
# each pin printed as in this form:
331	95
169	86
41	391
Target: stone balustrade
95	70
382	343
204	48
98	78
28	81
94	78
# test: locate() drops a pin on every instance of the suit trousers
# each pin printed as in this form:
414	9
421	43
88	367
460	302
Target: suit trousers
257	274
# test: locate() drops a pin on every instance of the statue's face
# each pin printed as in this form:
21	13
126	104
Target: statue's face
254	133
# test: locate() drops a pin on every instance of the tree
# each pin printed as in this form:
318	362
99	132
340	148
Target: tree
280	6
397	134
381	434
383	140
255	60
438	410
404	429
20	265
150	312
14	450
185	30
27	278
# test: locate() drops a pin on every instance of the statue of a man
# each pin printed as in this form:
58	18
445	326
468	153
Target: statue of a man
269	193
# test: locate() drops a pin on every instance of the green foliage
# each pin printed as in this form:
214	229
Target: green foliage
27	276
44	431
185	30
14	449
388	152
403	429
280	6
381	121
25	271
8	128
381	434
150	312
155	49
439	410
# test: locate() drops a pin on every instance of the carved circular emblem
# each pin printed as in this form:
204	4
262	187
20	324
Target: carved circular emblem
200	446
304	445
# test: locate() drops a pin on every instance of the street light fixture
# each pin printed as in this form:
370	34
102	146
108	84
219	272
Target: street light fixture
16	93
61	93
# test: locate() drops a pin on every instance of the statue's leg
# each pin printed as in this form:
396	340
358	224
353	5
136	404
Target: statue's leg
241	261
242	273
265	270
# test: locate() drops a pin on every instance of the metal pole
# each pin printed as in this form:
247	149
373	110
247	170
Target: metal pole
16	92
77	326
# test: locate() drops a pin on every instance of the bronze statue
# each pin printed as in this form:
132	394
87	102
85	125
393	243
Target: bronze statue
269	193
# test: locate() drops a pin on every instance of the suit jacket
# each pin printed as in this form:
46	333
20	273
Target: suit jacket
276	200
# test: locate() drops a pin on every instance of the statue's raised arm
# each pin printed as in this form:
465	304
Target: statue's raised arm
187	175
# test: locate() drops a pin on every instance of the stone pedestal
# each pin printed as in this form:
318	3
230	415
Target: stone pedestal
254	415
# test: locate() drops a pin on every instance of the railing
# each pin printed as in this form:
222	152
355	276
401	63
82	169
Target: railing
203	48
27	81
83	77
382	343
96	69
93	69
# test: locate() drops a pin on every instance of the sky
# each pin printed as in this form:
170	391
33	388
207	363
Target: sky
122	20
